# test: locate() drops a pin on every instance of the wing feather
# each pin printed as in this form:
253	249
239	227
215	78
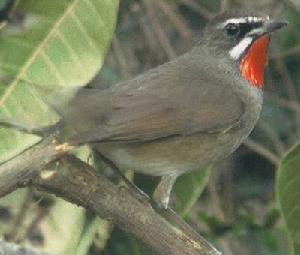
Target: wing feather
174	99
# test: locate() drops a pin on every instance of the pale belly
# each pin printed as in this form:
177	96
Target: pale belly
174	155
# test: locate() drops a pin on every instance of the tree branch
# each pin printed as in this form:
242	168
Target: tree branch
75	181
19	171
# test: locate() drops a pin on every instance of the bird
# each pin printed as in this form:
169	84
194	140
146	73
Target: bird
182	115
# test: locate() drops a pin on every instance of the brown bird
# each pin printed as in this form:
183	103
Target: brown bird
184	114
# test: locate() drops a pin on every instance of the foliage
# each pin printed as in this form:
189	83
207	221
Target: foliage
288	181
54	43
48	50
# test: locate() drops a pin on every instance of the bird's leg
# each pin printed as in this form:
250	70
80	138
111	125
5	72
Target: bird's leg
142	196
163	190
162	196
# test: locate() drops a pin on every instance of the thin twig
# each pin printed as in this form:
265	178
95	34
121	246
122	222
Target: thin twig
206	14
291	105
216	204
263	151
288	84
292	5
148	33
229	4
162	37
289	52
286	80
272	135
178	22
120	57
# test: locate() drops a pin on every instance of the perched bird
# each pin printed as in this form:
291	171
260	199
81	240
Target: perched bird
184	114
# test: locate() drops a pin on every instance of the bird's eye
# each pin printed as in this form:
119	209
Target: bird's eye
232	29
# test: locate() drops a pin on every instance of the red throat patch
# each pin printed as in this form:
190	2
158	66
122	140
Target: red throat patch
253	64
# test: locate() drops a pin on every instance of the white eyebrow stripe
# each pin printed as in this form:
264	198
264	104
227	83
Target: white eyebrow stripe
250	19
239	49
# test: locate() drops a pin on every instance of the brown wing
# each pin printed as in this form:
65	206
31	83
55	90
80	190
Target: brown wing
174	99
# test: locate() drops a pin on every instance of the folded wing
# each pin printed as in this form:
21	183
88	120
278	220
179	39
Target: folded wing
174	99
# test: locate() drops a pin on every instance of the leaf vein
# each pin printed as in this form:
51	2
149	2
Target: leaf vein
39	49
94	9
73	54
84	32
53	67
288	184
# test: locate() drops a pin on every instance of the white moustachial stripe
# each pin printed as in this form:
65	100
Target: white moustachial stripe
240	48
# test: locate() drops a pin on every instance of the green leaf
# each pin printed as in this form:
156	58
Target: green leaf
288	194
59	44
62	228
97	227
188	189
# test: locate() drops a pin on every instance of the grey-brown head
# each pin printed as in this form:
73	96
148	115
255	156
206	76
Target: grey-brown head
233	32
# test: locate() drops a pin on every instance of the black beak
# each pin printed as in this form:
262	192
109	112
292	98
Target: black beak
267	26
270	26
